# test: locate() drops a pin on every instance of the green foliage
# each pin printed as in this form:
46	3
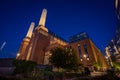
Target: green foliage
98	65
116	65
71	61
23	66
38	74
59	75
64	58
57	57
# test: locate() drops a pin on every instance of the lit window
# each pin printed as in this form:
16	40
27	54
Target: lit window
86	51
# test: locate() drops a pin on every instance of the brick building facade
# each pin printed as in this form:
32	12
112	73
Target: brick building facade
37	46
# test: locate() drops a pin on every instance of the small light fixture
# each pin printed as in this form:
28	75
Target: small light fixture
87	58
81	59
18	54
106	57
84	55
50	54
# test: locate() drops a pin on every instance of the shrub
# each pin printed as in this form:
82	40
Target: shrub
23	66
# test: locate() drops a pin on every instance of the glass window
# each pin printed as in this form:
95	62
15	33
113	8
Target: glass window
86	51
79	50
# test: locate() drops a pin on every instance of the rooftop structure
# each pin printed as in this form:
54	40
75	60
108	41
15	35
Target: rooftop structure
78	37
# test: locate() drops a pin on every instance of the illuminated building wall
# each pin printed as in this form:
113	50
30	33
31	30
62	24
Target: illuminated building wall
37	47
87	52
23	47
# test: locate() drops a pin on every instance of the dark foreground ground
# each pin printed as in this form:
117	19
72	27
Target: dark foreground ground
65	77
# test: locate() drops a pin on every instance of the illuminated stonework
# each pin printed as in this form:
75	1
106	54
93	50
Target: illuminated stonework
37	47
29	34
43	17
86	51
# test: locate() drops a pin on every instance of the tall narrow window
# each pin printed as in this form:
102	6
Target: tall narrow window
86	51
79	50
70	47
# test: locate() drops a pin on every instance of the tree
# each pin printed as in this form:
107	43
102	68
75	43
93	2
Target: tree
64	58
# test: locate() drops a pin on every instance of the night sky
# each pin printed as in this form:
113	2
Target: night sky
64	17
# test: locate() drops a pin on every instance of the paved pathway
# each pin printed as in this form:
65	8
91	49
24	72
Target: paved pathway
93	74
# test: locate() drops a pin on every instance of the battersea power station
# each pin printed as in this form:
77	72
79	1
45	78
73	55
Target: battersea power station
39	41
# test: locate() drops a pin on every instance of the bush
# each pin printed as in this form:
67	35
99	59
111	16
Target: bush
23	66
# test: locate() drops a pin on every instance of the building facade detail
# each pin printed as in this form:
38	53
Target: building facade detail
37	44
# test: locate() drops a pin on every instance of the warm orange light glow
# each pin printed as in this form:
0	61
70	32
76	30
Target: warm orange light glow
81	59
18	54
29	33
43	17
85	56
116	3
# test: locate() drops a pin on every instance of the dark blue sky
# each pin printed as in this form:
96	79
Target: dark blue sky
65	18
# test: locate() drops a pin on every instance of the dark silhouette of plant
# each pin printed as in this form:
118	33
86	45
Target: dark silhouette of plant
64	58
23	66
